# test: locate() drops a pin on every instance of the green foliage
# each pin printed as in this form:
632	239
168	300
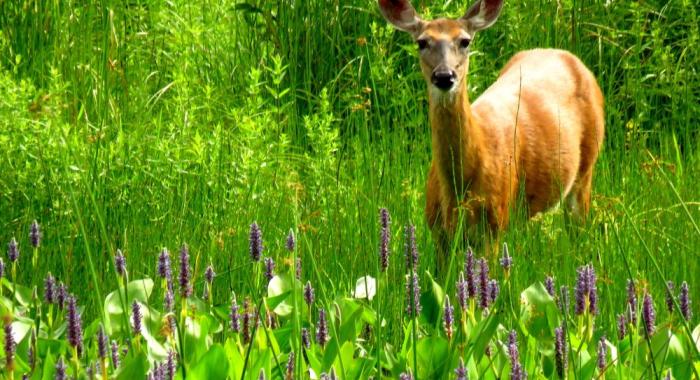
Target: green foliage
144	125
205	344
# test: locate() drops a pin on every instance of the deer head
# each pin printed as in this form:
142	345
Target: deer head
443	43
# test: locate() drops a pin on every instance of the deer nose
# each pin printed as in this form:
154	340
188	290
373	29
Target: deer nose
444	79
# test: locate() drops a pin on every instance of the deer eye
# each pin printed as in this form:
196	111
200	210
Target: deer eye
464	43
422	44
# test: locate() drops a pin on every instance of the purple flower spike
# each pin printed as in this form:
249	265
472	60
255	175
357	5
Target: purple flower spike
384	238
494	290
35	234
462	294
684	301
102	340
649	314
235	318
581	290
549	285
413	306
621	326
10	345
384	218
410	248
185	272
170	365
75	326
269	268
484	293
448	318
289	373
61	295
164	269
169	300
322	329
120	263
406	375
136	317
586	291
305	340
209	274
516	371
291	242
592	291
246	321
256	242
2	268
561	352
632	301
60	369
669	296
115	354
49	289
513	353
602	354
470	274
13	251
308	293
506	260
461	370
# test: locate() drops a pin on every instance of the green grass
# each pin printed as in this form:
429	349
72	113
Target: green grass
149	125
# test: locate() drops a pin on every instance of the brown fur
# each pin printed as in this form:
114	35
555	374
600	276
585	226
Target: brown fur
538	128
551	149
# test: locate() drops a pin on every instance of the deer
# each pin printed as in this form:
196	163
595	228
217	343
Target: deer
533	136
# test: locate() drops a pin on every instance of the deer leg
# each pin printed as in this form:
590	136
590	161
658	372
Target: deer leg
579	199
435	219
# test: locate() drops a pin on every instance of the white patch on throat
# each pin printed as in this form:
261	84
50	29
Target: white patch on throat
443	97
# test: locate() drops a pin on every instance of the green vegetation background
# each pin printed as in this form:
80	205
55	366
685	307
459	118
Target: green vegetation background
145	124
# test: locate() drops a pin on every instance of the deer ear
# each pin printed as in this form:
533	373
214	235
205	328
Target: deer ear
482	14
401	14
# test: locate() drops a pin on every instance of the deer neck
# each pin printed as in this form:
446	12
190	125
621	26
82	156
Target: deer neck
456	139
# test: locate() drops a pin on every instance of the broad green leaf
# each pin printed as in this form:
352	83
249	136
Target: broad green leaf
668	352
279	291
262	359
49	365
23	294
481	335
139	290
538	312
133	367
283	337
431	300
21	328
235	359
197	338
432	357
330	354
365	288
213	365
